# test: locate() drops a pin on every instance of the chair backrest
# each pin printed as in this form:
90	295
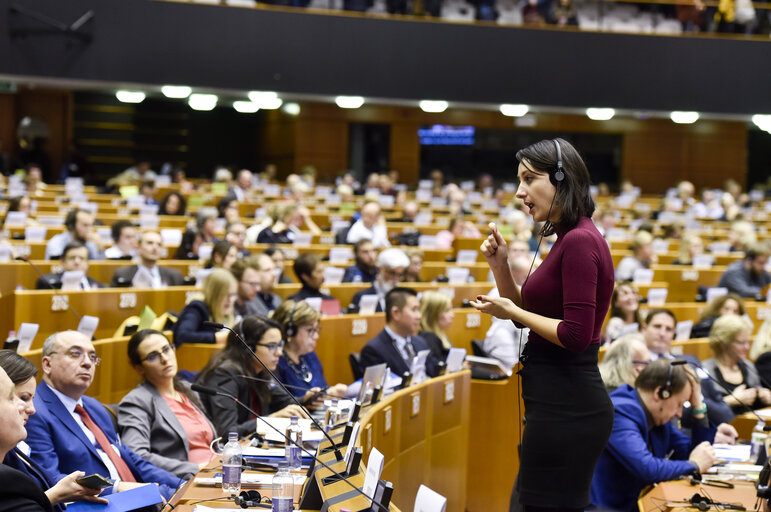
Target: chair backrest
356	369
476	348
341	236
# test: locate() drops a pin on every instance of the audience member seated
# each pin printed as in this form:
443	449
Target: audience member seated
290	218
233	370
691	245
299	365
133	175
279	260
228	209
309	269
172	203
17	490
644	446
436	316
223	254
80	228
20	204
206	222
74	257
365	270
23	374
189	245
563	14
72	432
642	257
414	271
659	331
152	275
371	225
124	234
624	312
235	233
748	276
147	191
161	419
738	379
728	304
398	343
458	228
266	300
391	264
624	359
246	271
219	292
761	352
242	189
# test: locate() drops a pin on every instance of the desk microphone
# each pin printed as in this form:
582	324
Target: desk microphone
761	421
269	381
211	391
46	281
218	326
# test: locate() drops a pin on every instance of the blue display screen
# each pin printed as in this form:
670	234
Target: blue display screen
443	135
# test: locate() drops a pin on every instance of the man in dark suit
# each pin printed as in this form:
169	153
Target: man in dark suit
73	432
398	342
152	275
365	270
74	257
18	491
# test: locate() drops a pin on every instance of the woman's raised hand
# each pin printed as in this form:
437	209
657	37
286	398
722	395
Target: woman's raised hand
495	249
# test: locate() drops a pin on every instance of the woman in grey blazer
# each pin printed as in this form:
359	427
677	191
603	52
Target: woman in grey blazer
161	420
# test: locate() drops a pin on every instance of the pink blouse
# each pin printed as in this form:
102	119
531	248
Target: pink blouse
197	428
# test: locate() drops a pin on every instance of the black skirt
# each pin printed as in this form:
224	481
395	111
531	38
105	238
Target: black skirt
568	420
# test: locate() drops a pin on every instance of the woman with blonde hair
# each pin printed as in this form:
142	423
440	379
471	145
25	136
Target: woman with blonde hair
436	316
690	246
624	359
728	304
219	293
729	340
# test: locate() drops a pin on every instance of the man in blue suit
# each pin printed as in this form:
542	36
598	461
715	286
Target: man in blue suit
72	432
398	342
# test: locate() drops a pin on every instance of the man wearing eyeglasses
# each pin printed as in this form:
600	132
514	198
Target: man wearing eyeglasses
391	264
72	432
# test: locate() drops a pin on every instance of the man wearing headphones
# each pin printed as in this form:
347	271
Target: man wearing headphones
80	228
645	447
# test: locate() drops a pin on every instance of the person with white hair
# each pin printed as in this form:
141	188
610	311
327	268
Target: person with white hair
371	225
391	264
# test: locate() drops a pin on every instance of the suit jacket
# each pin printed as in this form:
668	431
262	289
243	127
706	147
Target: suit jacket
227	415
636	457
54	282
189	325
368	291
169	276
17	460
151	429
60	446
382	349
20	493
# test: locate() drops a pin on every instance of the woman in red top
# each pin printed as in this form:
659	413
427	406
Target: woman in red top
568	415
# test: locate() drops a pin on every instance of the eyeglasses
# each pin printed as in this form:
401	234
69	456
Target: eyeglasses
77	354
640	363
310	329
253	284
272	347
154	357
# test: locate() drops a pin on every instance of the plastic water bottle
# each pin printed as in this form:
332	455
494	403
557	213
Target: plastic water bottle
293	452
283	489
231	465
332	415
758	441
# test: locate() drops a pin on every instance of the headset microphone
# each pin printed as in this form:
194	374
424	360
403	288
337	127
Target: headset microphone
560	174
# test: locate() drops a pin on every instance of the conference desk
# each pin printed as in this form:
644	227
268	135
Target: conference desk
675	495
422	432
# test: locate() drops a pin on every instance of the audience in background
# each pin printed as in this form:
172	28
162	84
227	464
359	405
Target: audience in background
74	258
172	203
748	276
279	260
691	245
124	234
642	256
147	273
436	316
235	233
206	222
391	264
371	225
309	270
728	304
266	300
299	366
458	228
624	359
161	419
365	269
220	290
290	218
247	273
414	271
223	255
235	371
624	312
79	226
242	189
189	245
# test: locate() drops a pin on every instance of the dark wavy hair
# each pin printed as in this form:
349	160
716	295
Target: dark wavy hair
18	368
573	195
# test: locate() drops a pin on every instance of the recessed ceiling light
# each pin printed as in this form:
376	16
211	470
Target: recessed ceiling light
130	96
202	102
349	101
684	117
176	91
513	110
433	106
292	109
245	107
600	114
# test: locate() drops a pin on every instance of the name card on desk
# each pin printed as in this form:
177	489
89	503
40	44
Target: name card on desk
455	359
333	275
71	280
15	219
88	325
302	239
714	292
375	464
643	276
35	233
703	261
368	304
427	241
27	333
657	297
340	255
314	302
457	275
418	368
352	443
149	221
466	257
683	330
204	251
428	500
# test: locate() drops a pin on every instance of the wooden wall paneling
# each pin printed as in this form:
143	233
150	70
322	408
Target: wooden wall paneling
321	140
56	108
8	126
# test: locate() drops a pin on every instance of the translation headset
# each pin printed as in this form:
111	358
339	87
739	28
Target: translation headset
559	175
666	391
704	503
291	328
247	499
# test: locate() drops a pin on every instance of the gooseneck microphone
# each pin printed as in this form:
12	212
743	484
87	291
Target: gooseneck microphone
198	388
322	392
217	326
46	281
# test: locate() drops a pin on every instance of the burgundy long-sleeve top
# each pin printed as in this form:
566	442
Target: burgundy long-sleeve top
574	283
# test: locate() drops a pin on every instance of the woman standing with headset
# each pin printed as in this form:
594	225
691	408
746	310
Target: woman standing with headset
568	415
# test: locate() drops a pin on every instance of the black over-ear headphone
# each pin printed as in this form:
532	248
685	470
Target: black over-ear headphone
558	176
248	499
666	391
71	219
291	328
704	503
